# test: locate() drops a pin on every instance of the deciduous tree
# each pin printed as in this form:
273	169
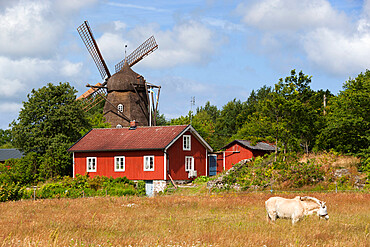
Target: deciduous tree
49	121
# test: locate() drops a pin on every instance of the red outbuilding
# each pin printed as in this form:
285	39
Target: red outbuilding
239	150
155	154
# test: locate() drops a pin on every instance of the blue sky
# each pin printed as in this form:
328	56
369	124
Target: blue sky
211	50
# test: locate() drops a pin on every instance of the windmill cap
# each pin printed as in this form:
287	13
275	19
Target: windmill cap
122	80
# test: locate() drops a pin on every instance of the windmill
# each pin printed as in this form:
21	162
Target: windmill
126	93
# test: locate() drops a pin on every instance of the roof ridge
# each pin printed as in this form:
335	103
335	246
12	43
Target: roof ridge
141	127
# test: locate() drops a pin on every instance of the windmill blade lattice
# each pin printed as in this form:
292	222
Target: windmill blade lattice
92	97
139	53
87	37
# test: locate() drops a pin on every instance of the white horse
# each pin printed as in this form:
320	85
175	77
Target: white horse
295	209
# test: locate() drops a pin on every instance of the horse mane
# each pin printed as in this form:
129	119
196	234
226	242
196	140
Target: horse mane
309	198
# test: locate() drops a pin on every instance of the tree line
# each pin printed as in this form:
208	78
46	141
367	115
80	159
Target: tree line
293	116
289	114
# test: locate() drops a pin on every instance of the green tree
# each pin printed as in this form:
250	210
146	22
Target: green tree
49	122
256	97
20	171
211	110
5	138
348	118
161	120
204	125
284	113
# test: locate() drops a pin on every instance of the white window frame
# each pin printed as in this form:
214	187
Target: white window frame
189	163
118	166
120	107
147	159
88	160
186	142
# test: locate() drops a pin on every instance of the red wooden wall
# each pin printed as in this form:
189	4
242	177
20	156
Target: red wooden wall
134	164
231	158
176	160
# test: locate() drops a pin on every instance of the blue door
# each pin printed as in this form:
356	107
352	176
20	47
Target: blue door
212	164
149	188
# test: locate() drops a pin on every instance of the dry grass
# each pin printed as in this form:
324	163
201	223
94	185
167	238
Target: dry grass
337	161
176	220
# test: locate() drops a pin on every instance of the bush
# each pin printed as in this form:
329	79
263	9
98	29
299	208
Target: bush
261	174
68	187
140	187
10	192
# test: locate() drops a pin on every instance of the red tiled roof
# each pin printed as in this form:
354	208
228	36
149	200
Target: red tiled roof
142	138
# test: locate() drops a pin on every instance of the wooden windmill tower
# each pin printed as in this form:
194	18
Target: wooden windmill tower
126	93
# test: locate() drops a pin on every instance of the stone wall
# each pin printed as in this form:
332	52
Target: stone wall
159	186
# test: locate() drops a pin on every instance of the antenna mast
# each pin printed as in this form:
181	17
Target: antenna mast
192	102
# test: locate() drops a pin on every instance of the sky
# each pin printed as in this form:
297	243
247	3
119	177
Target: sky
215	50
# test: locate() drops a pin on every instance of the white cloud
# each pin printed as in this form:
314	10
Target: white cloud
224	24
24	31
32	33
112	46
290	15
337	52
20	76
119	25
140	7
189	42
68	7
331	41
35	28
10	87
10	107
69	69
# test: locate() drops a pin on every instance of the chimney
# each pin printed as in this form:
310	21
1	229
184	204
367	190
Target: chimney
132	125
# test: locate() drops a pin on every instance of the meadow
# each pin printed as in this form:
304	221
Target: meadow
224	219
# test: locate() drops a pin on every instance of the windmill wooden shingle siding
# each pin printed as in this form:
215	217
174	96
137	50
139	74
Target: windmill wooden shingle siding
127	95
127	90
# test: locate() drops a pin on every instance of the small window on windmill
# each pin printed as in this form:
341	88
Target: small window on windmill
120	108
119	126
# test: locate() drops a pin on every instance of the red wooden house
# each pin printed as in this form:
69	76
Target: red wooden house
154	154
239	150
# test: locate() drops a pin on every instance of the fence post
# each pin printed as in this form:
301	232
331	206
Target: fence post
336	187
34	192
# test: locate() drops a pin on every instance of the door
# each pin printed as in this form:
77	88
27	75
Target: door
212	164
149	187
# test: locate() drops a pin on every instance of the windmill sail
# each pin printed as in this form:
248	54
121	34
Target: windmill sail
139	53
92	97
87	37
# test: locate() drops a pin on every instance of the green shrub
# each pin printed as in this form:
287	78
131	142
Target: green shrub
10	192
202	179
140	187
52	190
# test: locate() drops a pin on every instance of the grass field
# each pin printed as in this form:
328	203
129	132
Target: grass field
181	220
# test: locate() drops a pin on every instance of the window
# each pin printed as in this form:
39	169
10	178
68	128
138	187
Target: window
149	163
186	142
91	164
189	163
119	163
120	107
